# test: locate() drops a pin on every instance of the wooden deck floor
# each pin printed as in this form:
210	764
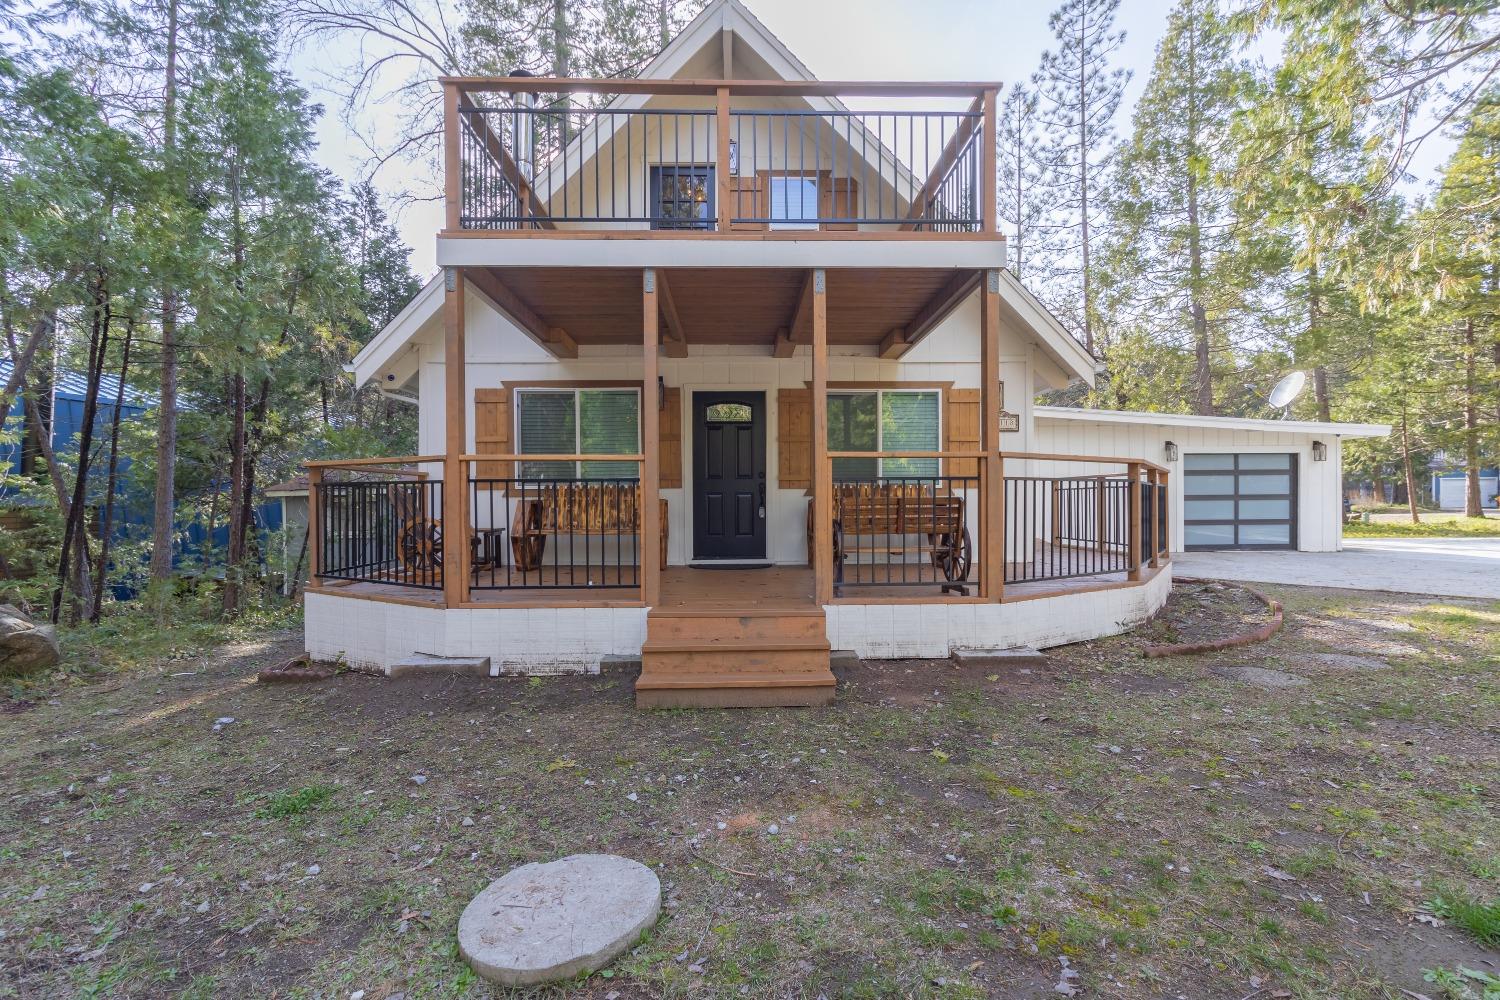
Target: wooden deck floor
774	587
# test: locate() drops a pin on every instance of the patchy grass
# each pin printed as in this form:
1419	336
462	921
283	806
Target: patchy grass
1432	526
941	832
1480	920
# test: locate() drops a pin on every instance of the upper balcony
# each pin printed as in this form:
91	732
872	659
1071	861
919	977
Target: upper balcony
543	157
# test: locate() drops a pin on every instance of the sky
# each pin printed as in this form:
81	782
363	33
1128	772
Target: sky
975	40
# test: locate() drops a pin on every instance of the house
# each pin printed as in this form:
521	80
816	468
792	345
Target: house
723	375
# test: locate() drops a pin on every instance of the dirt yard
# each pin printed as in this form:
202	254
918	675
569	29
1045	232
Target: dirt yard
1320	826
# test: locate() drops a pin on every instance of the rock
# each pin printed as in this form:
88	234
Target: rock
1262	677
419	779
541	923
25	646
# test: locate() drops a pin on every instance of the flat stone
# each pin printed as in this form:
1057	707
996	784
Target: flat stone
1262	677
418	664
1015	656
842	659
620	664
1346	661
545	922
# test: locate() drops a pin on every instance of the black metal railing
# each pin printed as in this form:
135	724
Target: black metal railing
381	532
524	167
818	168
1061	527
904	531
555	534
1153	512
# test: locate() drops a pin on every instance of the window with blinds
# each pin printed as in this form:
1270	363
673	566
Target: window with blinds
794	202
884	420
581	422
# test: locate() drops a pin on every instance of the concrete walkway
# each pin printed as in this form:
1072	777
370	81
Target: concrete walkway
1445	567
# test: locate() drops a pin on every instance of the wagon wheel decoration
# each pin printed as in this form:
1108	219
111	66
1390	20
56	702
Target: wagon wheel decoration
419	547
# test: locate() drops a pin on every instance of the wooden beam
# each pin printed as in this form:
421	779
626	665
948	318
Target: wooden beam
894	345
452	165
822	501
726	38
674	336
1133	508
455	436
651	525
784	348
800	322
749	88
314	527
991	474
560	344
941	305
510	305
988	167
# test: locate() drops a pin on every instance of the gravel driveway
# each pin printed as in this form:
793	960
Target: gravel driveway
1445	567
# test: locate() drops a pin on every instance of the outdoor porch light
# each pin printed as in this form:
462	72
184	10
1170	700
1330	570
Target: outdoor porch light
1320	451
1171	450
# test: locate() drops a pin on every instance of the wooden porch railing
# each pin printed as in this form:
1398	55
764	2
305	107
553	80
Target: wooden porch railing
520	156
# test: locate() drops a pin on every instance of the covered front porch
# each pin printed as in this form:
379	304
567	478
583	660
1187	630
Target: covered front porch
767	489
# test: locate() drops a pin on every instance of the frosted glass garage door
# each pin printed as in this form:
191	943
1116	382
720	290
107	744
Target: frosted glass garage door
1239	501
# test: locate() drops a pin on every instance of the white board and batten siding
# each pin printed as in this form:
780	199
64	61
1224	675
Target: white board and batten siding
1319	492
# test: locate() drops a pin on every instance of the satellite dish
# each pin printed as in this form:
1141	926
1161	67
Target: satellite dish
1287	391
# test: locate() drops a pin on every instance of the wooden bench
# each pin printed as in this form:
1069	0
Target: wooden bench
887	514
598	509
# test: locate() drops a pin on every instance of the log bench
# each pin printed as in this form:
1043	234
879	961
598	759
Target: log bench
595	509
879	518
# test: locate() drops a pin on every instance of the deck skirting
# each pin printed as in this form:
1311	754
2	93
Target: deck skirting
370	634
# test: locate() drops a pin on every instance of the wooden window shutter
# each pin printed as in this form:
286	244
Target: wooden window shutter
794	439
838	197
961	430
670	439
749	202
492	432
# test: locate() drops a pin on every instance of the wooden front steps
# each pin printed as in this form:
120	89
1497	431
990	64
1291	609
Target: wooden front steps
734	658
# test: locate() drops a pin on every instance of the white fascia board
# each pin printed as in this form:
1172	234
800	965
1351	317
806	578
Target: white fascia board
620	250
1051	335
386	344
1221	423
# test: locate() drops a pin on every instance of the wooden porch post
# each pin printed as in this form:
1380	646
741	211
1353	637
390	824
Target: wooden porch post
822	468
650	543
455	432
452	168
991	474
1153	480
989	168
314	527
1133	511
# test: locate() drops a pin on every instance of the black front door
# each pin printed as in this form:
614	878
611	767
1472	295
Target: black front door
729	475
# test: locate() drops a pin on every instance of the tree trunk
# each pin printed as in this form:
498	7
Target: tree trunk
1473	502
101	571
163	516
1083	188
1320	394
1406	467
73	559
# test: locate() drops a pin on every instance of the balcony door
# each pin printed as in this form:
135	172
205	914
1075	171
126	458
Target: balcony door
729	475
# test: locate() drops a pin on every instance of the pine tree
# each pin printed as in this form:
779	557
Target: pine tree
1079	96
1017	138
1174	251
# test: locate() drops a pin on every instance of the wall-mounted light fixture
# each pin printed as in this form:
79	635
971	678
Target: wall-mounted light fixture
1171	451
1320	451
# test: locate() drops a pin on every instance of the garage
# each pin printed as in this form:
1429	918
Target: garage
1239	500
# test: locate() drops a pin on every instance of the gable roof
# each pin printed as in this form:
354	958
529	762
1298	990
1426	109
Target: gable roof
74	385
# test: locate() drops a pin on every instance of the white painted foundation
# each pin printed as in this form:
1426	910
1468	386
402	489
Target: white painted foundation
375	634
